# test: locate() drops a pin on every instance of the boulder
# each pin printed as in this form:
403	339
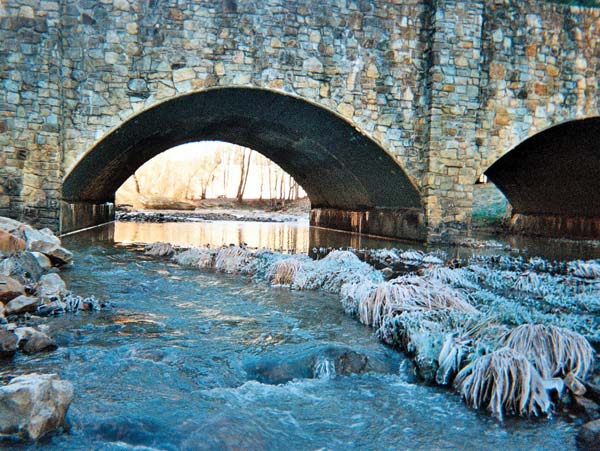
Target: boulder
11	226
51	286
42	260
588	438
8	343
10	244
9	289
24	267
32	340
34	405
21	304
47	243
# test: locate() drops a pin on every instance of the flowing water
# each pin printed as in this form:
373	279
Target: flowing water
189	359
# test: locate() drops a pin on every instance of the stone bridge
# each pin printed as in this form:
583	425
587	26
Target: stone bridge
386	112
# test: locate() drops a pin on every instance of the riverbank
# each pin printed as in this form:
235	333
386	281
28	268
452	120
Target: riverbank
217	210
511	336
31	293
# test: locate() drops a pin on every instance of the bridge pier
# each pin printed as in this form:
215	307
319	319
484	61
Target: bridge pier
80	215
405	224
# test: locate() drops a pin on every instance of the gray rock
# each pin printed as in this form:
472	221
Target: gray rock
9	225
45	242
8	343
32	340
42	260
34	405
51	286
21	304
24	267
588	438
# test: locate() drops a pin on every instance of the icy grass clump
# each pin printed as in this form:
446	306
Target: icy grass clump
198	257
409	293
457	278
412	256
283	272
499	280
70	303
503	381
506	310
553	351
352	292
384	256
585	269
160	250
333	271
437	339
232	260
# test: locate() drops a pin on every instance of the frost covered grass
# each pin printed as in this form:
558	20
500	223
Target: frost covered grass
504	381
587	269
499	330
553	351
232	259
405	294
160	250
199	257
283	272
333	271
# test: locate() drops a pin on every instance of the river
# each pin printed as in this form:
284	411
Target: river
189	359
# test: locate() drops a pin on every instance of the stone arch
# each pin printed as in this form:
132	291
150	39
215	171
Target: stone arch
551	180
338	166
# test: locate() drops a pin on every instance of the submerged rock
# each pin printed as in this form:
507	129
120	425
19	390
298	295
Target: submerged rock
327	361
588	438
34	405
32	340
9	289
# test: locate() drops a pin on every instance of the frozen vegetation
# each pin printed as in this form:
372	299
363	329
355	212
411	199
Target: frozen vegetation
511	336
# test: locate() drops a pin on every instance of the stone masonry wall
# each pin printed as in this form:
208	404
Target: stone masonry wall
445	86
503	71
542	64
362	59
30	110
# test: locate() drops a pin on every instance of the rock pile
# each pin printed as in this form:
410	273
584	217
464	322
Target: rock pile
30	287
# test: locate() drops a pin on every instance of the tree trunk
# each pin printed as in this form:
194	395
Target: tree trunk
137	183
245	167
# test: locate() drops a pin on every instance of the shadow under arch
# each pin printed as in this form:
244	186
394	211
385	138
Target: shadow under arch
341	169
552	180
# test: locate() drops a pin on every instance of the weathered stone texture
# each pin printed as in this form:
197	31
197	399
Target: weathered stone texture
446	86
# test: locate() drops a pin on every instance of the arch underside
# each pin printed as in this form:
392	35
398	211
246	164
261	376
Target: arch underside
336	165
555	174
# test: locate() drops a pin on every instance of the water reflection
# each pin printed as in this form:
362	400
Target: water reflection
286	236
300	237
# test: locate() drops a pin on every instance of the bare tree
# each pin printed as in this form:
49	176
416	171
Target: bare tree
137	183
245	168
